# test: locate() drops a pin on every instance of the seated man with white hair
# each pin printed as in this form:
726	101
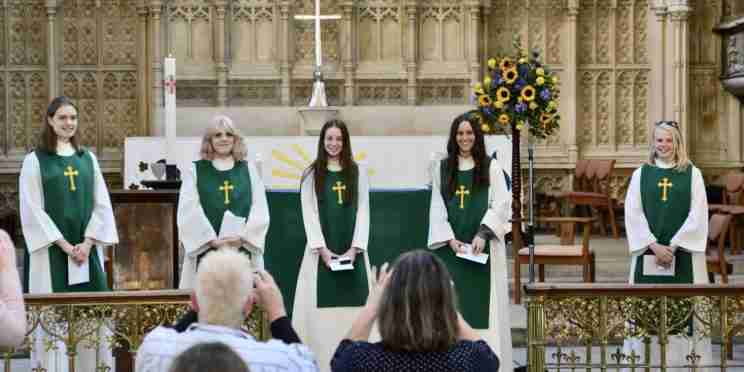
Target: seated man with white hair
223	298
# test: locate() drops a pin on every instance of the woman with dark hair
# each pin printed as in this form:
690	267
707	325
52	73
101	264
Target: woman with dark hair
208	357
469	214
66	217
335	210
223	184
415	306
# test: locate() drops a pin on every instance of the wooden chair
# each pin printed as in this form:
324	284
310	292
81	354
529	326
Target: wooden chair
714	255
565	253
733	198
598	197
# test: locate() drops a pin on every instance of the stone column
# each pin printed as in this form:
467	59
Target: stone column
679	12
412	51
219	41
284	66
52	73
657	36
143	92
475	66
347	59
156	9
569	85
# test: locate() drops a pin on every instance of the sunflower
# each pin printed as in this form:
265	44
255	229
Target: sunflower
506	64
504	119
485	128
492	63
503	94
484	100
528	93
545	118
540	71
540	80
510	75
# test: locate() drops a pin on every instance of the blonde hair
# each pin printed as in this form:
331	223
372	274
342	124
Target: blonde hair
679	151
224	282
218	122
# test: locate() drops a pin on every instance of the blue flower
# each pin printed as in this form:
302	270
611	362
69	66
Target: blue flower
497	80
521	107
545	95
520	84
524	70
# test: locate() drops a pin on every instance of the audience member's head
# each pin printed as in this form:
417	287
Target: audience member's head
208	357
417	309
224	288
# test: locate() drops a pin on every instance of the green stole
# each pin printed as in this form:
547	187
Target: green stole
665	218
215	199
70	210
472	280
337	220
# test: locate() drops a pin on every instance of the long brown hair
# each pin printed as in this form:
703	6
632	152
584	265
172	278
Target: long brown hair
481	171
349	168
417	309
48	141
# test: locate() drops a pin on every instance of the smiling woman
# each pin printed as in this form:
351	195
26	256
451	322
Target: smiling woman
67	219
469	214
221	188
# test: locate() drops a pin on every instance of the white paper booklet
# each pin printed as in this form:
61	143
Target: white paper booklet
651	268
232	225
341	264
480	258
78	274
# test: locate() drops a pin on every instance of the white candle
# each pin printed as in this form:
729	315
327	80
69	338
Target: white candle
169	87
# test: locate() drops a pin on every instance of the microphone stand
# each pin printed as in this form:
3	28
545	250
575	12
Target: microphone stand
531	211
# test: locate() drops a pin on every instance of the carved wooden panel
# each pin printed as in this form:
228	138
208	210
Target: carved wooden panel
442	31
613	75
382	92
99	70
253	31
380	31
253	92
191	32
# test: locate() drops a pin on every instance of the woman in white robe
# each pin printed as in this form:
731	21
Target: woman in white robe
649	235
336	222
46	242
465	145
244	215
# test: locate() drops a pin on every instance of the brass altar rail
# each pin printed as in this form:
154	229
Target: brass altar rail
123	317
572	323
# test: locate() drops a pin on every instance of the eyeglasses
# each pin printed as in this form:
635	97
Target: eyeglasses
669	123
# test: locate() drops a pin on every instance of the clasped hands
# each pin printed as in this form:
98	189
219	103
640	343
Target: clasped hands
327	256
664	254
479	244
78	252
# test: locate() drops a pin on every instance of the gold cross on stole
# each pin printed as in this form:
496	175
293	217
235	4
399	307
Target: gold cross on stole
461	193
72	173
339	188
664	185
227	187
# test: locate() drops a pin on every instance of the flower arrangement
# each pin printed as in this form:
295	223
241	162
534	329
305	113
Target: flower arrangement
518	91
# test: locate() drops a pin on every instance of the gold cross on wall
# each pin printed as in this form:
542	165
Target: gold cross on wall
227	187
461	193
339	188
664	185
72	173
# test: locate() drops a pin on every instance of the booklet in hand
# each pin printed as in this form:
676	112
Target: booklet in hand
339	263
480	258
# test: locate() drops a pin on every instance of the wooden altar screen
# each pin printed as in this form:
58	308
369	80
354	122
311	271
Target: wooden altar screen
147	254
